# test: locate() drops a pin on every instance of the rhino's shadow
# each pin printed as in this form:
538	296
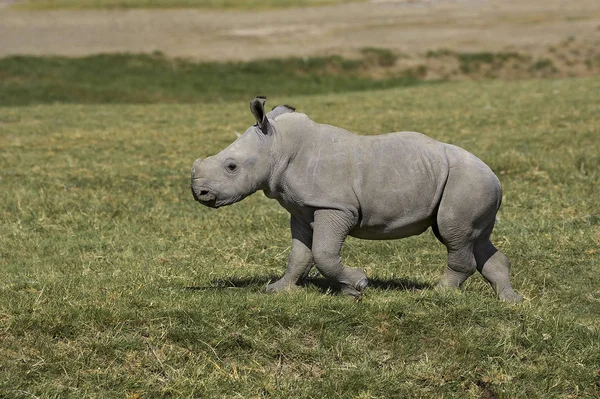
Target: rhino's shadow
396	284
326	286
254	282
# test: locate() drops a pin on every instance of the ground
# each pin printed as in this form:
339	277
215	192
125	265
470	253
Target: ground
407	27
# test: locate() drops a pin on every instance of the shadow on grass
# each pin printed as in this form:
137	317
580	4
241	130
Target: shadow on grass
257	283
254	282
396	284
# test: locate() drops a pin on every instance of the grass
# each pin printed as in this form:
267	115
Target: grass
116	284
379	56
543	64
470	63
132	4
154	78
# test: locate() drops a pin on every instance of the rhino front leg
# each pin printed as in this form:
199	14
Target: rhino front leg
330	229
300	260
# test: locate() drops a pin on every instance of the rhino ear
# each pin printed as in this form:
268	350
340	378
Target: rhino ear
257	106
280	109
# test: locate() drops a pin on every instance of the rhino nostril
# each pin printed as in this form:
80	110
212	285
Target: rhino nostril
203	192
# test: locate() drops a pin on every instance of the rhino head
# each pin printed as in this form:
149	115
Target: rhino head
243	167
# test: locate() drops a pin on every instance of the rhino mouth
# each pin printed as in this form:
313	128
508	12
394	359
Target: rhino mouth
205	197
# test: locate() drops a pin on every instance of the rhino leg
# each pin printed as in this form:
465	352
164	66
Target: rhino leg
461	264
330	229
300	260
494	266
465	221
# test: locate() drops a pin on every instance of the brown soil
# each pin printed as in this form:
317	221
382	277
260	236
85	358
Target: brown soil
567	33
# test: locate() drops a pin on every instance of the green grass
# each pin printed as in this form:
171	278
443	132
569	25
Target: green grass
129	4
470	63
379	56
116	284
153	78
542	65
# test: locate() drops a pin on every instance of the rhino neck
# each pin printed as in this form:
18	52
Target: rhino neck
292	130
275	187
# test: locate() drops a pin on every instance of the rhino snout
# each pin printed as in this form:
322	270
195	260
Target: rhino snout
200	189
196	168
204	196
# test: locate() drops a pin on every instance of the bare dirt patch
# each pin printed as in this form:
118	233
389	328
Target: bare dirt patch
409	27
430	39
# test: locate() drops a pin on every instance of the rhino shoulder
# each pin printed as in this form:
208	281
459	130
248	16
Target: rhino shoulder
295	121
280	110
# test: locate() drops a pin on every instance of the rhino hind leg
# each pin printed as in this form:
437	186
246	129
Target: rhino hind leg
493	265
456	228
495	268
461	264
470	252
464	223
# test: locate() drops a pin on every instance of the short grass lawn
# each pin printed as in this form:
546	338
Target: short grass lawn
114	283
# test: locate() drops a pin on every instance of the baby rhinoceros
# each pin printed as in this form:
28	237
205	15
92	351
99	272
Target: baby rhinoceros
335	183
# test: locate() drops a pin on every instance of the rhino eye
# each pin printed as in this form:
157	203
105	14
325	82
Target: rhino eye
231	166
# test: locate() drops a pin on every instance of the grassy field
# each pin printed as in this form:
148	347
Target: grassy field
115	283
128	4
154	78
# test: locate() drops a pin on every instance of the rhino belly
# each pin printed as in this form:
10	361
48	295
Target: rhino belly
396	216
391	230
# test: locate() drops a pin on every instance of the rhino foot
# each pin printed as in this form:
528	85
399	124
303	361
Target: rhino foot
357	290
510	295
281	285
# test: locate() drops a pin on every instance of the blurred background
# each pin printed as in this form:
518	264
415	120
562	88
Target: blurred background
145	51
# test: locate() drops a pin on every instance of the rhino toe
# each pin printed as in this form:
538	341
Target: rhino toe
357	290
281	285
362	284
510	295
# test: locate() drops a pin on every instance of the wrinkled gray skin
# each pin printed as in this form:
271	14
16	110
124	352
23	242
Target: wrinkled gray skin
335	183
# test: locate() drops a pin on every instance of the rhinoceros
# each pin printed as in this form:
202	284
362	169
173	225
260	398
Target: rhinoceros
335	183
